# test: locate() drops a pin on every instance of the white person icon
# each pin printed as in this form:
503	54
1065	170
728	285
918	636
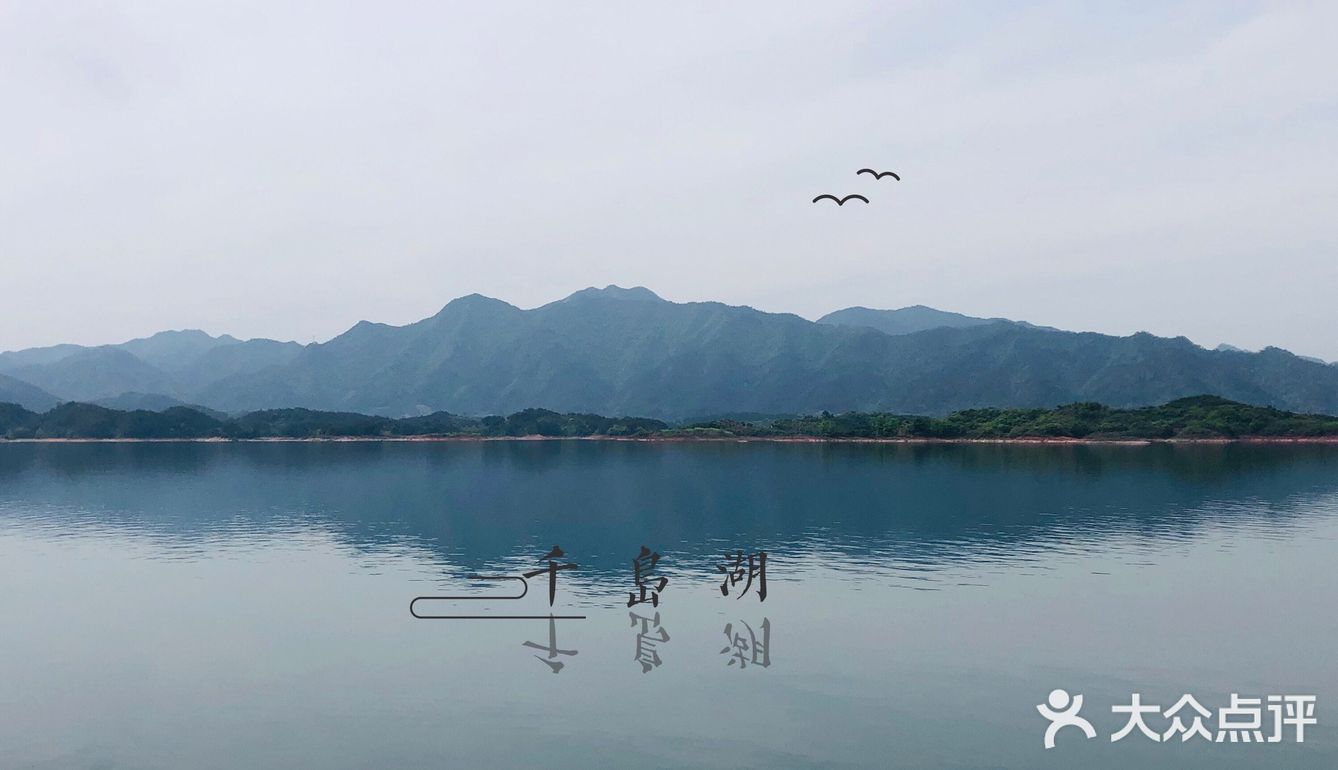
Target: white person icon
1062	711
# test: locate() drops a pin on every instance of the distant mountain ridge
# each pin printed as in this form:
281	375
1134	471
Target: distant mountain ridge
906	320
28	396
627	351
170	364
909	320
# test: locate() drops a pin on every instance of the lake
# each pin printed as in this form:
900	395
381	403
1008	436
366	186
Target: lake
247	605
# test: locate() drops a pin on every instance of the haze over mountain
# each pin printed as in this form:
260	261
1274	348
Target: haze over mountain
151	402
906	320
620	351
28	396
170	363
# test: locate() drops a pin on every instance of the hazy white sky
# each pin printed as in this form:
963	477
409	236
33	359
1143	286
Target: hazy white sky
287	169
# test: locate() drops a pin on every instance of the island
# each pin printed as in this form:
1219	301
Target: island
1198	418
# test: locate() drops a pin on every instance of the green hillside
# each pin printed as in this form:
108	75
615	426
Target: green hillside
627	351
1189	418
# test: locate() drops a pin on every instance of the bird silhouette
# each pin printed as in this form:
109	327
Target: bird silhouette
879	174
840	201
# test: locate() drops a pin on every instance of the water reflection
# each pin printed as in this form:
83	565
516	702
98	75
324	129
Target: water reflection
246	605
906	511
649	636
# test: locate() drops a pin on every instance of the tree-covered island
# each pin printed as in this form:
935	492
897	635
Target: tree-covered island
1196	418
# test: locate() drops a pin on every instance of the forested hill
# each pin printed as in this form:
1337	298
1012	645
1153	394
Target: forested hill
627	351
1202	417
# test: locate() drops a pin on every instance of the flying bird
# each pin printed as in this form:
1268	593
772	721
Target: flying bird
840	201
878	174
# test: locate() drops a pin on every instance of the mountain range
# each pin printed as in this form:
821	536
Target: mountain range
627	351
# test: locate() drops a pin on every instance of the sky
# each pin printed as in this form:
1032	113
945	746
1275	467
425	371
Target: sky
285	170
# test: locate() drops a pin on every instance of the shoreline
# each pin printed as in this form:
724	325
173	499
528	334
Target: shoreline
1021	440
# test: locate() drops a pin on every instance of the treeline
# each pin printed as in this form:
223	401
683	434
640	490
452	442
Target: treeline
87	421
1186	418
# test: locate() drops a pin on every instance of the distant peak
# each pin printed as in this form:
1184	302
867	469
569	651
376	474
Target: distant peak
904	320
188	334
473	303
636	293
476	299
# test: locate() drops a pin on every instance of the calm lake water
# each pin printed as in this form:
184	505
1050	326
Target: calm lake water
247	605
